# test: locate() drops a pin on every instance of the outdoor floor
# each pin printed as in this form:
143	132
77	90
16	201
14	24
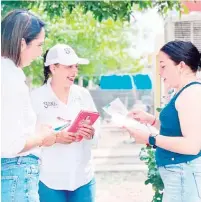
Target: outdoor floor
122	187
120	175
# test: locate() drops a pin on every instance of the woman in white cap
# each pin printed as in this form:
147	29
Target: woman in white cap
67	173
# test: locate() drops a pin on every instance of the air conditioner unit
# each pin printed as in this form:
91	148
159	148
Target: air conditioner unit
186	27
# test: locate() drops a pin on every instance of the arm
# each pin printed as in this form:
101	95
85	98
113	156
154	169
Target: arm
44	137
189	111
14	137
156	122
144	117
32	142
18	134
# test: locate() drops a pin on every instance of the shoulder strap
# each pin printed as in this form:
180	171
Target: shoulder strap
186	86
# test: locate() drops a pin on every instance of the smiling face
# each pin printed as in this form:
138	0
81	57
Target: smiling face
64	75
169	71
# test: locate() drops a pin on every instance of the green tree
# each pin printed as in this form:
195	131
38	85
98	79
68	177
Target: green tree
94	28
104	43
101	9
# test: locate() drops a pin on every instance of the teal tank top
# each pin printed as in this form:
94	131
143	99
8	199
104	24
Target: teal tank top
170	127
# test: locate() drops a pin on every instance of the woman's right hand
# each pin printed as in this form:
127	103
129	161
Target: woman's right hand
65	137
142	116
48	137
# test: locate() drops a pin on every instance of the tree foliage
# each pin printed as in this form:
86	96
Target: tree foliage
104	43
94	28
101	9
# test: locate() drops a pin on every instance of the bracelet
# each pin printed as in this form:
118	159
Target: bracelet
154	122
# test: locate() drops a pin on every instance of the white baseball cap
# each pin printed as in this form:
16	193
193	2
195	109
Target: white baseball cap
64	55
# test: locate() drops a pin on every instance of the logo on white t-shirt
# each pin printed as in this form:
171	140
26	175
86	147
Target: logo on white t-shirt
50	104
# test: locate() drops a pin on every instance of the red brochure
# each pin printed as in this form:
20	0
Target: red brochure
83	116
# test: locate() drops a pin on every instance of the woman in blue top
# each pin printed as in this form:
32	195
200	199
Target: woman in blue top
178	144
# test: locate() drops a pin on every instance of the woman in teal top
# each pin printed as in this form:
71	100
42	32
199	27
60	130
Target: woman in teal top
178	144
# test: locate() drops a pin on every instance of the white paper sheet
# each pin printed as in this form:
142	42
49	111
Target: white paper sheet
118	113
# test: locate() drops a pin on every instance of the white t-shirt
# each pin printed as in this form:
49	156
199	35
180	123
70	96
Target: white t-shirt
64	166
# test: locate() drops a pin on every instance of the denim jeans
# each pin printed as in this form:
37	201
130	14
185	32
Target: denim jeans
182	181
86	193
19	179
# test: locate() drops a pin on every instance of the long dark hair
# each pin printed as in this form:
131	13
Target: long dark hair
17	25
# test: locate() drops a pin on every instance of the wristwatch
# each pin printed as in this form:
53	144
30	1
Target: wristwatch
152	140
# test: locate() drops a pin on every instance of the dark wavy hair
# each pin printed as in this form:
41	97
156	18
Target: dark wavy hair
187	52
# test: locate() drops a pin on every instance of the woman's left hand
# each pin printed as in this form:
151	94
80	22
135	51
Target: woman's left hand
87	131
139	135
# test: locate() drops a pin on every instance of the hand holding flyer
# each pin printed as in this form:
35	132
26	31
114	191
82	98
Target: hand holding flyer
118	113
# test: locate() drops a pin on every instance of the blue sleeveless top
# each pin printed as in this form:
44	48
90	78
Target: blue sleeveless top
170	126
